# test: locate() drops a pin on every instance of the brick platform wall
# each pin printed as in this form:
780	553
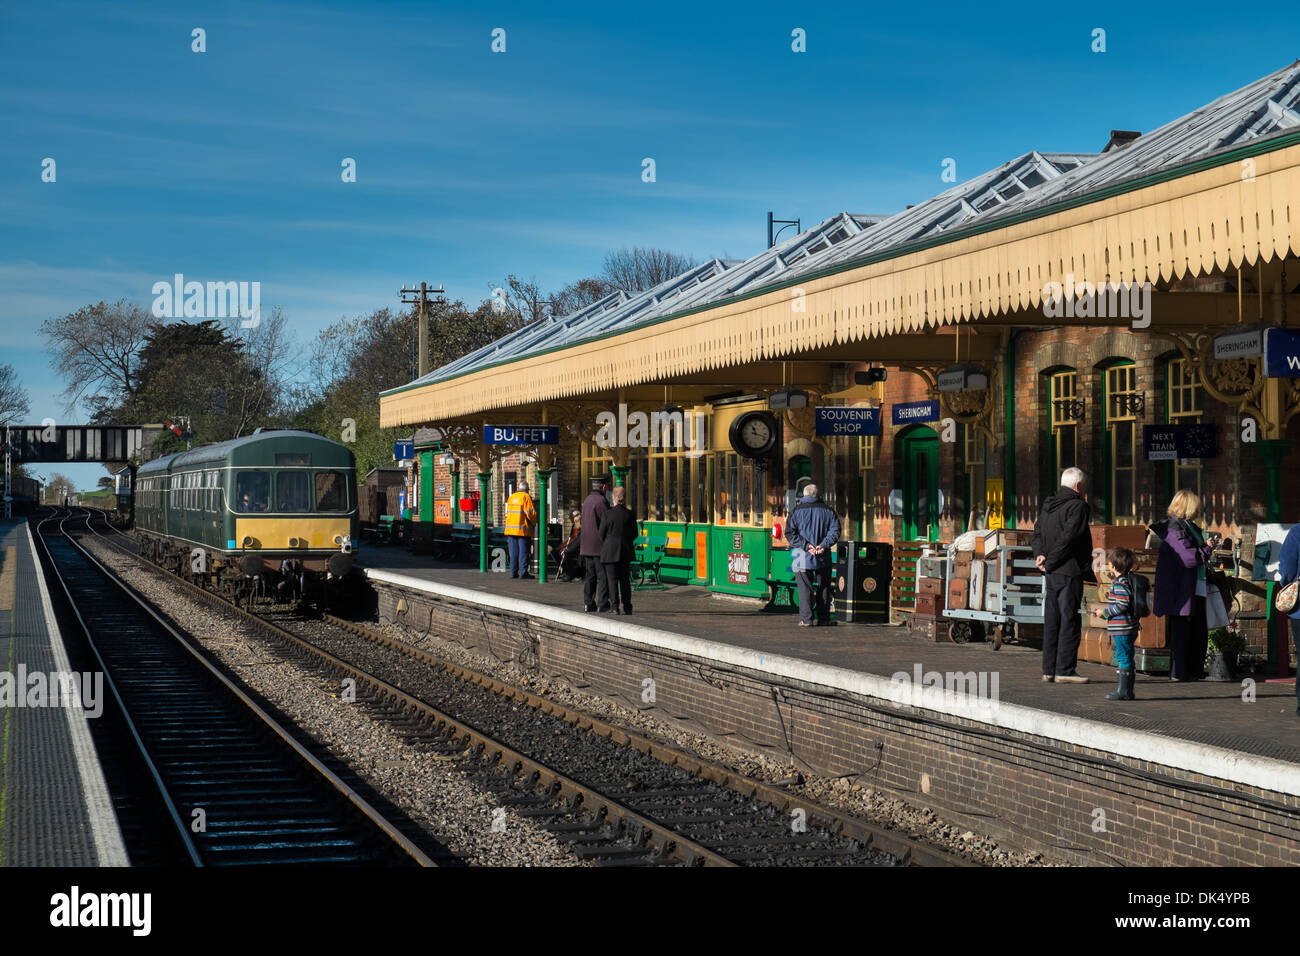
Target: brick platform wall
1025	791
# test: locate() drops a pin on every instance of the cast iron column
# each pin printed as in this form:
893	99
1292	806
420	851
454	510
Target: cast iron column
484	479
543	482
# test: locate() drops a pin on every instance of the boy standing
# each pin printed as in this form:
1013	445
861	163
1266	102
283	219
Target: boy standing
1120	614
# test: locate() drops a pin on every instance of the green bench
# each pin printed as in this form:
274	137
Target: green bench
648	555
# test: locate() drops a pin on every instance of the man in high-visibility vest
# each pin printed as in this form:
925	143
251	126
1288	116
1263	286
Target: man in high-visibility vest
521	519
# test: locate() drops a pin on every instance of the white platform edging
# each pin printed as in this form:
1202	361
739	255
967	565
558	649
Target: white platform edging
1267	773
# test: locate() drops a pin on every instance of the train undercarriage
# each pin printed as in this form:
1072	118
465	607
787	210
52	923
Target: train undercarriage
327	581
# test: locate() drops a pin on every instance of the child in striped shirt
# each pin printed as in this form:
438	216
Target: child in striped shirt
1121	619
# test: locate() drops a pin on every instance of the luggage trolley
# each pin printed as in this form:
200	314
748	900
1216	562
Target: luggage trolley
1016	597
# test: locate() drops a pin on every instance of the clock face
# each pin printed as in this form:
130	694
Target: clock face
754	434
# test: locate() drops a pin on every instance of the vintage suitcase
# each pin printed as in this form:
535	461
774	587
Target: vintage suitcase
929	585
1107	536
961	564
992	568
993	597
958	594
985	542
1096	646
928	605
930	566
1151	660
930	630
976	590
1152	636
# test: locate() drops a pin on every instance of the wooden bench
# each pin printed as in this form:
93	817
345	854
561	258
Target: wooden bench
463	543
649	554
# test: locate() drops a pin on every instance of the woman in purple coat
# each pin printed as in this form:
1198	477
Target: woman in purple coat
1180	586
1288	570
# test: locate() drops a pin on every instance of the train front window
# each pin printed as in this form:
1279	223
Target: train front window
291	491
331	491
252	491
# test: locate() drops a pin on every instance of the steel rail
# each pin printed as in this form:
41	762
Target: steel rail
662	840
358	803
908	851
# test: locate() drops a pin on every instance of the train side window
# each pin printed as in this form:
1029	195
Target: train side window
252	491
331	491
291	492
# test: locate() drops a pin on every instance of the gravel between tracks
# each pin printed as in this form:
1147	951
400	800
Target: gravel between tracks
876	807
433	792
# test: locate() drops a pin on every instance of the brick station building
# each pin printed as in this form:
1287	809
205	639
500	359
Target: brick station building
989	281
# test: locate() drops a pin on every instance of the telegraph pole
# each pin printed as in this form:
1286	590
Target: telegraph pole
421	298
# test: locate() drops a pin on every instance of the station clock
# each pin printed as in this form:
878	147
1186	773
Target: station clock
754	434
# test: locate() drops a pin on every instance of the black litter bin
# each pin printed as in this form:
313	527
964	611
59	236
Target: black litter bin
863	571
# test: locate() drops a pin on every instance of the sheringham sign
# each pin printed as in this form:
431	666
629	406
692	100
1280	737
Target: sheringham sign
1245	342
906	413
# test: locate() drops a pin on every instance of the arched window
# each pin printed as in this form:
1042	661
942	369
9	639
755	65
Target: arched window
1121	450
1065	412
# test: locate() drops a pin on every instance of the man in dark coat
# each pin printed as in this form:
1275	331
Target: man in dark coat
618	534
812	530
1062	547
594	595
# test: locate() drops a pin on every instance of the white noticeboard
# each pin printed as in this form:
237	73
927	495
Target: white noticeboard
1272	536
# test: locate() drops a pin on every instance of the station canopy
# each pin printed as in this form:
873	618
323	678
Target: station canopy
1210	190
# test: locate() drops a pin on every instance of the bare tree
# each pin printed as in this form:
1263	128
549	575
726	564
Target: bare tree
526	299
639	269
59	487
13	397
257	384
579	295
96	350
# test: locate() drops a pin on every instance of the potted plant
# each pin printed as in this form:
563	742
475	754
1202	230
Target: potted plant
1221	655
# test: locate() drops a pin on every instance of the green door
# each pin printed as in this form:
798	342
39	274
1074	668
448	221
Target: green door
920	484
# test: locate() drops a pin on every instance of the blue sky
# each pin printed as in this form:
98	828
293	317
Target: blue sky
225	165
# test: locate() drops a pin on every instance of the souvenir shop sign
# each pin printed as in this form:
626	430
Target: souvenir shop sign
1177	442
838	420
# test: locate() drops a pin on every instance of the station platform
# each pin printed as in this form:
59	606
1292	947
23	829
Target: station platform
1042	761
54	804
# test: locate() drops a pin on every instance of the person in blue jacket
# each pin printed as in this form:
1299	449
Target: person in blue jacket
1288	569
812	530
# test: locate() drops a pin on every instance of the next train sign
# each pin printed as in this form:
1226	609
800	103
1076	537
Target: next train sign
521	434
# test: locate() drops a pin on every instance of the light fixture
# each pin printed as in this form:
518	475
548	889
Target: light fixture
870	376
788	398
963	378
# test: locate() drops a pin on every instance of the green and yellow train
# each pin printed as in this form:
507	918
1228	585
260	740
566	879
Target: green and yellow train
274	513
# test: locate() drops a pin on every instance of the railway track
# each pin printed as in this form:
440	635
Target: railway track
234	787
617	797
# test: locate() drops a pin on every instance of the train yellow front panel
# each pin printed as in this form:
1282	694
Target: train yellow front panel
274	533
